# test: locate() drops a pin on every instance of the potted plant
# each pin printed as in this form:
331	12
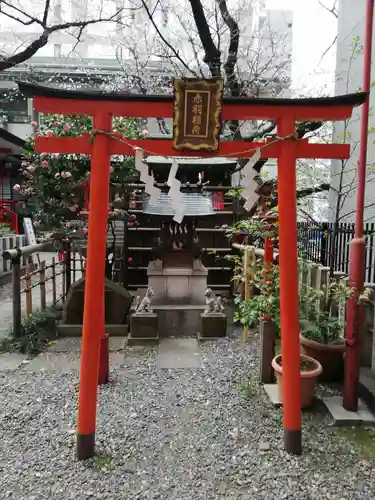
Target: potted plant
310	369
324	341
322	328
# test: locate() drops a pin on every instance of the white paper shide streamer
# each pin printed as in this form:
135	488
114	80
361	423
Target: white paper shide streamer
248	182
147	179
175	193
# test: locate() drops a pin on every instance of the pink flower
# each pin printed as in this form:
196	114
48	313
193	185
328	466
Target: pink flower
133	217
31	169
66	175
45	163
16	187
50	133
130	259
130	224
57	175
34	124
145	133
115	131
67	127
53	124
110	170
73	208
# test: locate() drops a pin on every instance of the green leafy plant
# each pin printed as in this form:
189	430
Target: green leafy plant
315	312
264	303
37	330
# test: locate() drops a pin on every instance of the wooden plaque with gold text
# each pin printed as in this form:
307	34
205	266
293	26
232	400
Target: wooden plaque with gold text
197	114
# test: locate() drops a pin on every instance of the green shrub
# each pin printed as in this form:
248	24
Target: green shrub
37	330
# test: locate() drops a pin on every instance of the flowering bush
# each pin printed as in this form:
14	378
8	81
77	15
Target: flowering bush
54	182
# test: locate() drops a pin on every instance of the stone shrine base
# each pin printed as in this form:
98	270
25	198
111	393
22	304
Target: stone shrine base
213	326
179	320
143	329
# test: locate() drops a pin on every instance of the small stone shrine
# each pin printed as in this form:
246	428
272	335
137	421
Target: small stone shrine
117	306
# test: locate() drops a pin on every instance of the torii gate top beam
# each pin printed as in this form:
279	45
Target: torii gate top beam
90	102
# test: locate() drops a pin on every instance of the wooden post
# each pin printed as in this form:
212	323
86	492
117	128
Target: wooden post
74	266
29	305
16	294
68	267
54	298
93	316
125	244
288	259
63	279
42	285
249	263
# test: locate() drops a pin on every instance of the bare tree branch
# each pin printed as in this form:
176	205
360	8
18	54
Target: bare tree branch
174	51
42	40
333	10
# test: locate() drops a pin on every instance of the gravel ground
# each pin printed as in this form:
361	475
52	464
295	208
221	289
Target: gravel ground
172	434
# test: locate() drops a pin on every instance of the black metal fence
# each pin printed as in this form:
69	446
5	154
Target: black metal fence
316	243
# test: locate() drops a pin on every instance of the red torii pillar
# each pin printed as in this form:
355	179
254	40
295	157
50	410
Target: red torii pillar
286	148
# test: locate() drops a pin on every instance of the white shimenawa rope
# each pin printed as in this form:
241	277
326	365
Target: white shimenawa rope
148	180
175	193
248	182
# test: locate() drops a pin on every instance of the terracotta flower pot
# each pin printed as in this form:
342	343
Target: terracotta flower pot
308	378
330	356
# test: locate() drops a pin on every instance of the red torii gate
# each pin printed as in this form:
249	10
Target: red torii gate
103	143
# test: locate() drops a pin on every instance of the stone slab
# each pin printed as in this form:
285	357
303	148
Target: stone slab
142	341
54	362
11	361
76	330
273	394
73	344
179	353
342	417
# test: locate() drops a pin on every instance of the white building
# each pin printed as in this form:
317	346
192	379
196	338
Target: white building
349	71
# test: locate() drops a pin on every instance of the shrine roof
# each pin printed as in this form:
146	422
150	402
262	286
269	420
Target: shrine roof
35	89
196	204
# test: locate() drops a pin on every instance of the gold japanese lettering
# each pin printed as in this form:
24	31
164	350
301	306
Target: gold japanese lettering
197	120
197	99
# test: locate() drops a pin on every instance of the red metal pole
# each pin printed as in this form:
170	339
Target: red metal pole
288	261
93	316
354	314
